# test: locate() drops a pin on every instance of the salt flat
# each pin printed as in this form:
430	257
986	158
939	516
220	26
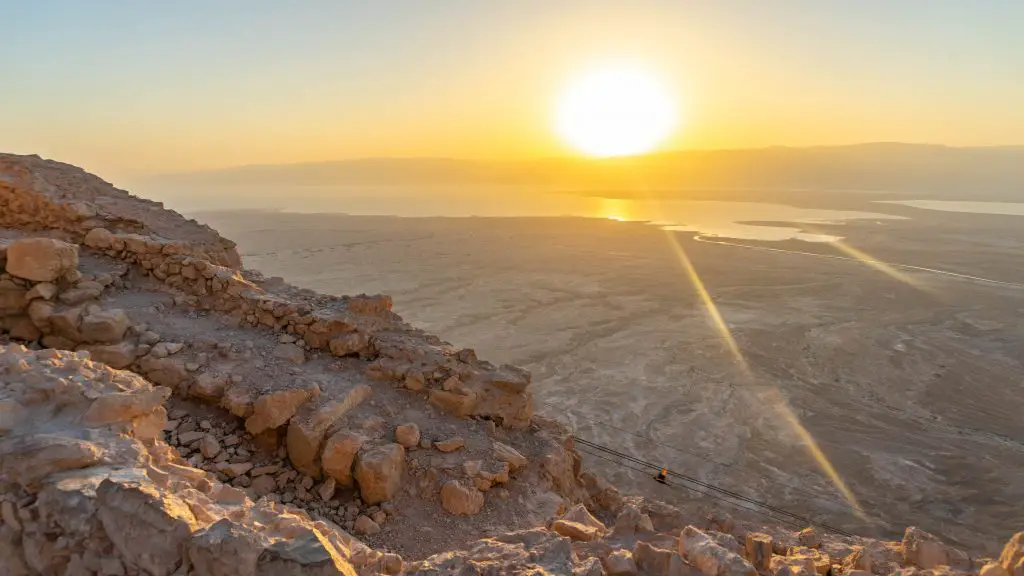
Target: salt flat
909	383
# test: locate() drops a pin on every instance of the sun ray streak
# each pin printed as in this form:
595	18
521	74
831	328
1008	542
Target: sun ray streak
776	399
815	451
717	321
868	260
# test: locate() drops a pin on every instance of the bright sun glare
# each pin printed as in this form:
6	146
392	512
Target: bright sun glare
615	111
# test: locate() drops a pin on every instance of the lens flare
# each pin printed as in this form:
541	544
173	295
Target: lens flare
815	451
717	321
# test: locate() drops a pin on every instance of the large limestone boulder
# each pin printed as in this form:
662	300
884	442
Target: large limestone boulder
926	551
170	372
658	561
379	472
124	406
354	343
460	499
225	548
307	428
209	386
511	378
794	565
408	435
699	549
98	238
41	259
758	550
620	563
275	409
459	404
340	455
65	323
148	527
506	453
28	459
119	355
104	327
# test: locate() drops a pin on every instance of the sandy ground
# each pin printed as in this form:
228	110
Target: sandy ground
910	383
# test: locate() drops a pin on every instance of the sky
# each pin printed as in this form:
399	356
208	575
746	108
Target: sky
130	87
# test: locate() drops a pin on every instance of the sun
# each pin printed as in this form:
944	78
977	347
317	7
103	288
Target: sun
615	111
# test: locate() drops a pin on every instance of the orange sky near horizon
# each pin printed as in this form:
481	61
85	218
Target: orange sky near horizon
130	89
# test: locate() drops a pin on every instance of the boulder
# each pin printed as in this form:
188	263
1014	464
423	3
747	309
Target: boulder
809	538
165	349
306	553
366	526
340	454
124	406
238	401
26	460
98	238
104	327
575	530
809	560
926	551
149	528
41	259
758	550
379	472
580	515
289	352
84	292
64	323
461	405
461	500
22	328
209	386
225	548
408	435
353	343
263	484
795	565
620	563
44	290
658	561
511	378
275	409
699	549
506	453
119	355
451	444
209	446
40	311
170	372
326	490
307	428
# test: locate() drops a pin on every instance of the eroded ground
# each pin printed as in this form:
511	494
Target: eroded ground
909	384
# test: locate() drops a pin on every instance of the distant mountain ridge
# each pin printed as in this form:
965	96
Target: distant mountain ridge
918	168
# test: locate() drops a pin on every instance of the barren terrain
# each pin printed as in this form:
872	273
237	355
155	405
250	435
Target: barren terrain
909	382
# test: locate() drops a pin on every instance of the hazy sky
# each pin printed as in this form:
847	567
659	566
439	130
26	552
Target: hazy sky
134	86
